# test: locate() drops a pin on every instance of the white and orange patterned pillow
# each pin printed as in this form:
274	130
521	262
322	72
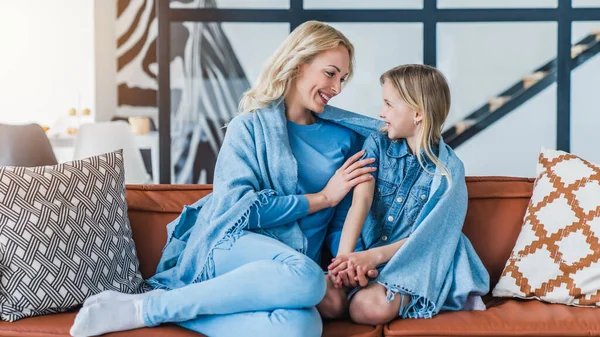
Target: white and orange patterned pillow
557	255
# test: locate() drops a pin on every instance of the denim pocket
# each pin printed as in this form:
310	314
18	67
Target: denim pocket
384	196
418	197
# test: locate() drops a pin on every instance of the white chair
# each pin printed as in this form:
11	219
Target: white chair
97	138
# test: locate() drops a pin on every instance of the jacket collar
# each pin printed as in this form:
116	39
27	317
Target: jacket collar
398	148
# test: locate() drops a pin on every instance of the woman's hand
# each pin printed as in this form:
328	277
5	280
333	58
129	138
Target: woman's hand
346	177
353	269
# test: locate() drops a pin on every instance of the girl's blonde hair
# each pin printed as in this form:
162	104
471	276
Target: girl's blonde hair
425	89
300	47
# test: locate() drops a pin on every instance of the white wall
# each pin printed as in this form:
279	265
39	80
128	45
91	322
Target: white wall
481	60
47	59
105	56
57	54
585	110
510	147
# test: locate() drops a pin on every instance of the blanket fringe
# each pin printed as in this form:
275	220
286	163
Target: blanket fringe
231	236
417	306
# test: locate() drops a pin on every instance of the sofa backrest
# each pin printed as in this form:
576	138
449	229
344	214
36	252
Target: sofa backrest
151	208
494	218
495	215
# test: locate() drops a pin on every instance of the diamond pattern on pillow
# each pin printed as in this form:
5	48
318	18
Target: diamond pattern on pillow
64	236
557	255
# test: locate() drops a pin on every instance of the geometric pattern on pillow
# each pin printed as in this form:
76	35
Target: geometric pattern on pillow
64	236
557	255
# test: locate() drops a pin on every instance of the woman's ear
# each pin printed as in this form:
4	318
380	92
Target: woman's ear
300	69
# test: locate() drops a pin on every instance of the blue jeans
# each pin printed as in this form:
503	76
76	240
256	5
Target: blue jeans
262	287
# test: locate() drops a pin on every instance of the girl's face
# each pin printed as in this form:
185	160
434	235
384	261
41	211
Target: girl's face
398	116
322	79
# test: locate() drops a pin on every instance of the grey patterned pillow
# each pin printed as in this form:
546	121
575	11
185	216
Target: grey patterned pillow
64	236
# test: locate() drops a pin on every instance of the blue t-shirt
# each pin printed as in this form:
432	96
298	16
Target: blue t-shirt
320	149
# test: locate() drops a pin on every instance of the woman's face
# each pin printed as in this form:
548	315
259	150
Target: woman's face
322	79
398	116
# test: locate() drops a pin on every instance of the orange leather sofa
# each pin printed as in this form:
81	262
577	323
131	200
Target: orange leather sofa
494	218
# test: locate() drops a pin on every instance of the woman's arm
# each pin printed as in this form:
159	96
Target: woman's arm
352	173
281	210
361	204
278	210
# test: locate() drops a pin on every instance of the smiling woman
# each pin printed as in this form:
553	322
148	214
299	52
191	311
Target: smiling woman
305	53
318	82
252	269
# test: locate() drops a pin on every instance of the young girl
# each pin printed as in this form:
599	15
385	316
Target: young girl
412	212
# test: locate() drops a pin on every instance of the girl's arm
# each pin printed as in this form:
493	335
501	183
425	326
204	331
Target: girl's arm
385	253
368	259
346	269
361	204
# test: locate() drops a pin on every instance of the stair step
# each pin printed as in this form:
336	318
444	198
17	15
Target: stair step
461	126
497	102
578	49
597	33
532	79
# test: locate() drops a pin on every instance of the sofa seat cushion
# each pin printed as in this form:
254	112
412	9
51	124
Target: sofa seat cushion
348	329
58	325
505	317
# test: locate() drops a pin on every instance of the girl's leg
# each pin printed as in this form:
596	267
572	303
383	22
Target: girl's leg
369	305
277	323
258	273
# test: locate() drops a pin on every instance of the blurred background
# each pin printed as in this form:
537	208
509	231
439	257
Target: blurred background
67	63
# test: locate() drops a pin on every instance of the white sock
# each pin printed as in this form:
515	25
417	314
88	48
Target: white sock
104	317
474	303
110	295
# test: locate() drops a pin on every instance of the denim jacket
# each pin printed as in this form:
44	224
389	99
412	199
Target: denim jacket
437	266
402	187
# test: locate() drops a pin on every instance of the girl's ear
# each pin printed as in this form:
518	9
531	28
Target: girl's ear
418	117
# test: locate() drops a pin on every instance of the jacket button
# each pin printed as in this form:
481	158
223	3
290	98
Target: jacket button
399	200
378	189
384	238
390	218
423	197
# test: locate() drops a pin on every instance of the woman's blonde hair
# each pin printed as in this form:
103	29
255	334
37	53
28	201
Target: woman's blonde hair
425	89
300	47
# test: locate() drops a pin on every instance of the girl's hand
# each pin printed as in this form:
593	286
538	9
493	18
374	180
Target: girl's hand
346	177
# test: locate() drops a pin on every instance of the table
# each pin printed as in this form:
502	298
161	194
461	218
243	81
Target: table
64	148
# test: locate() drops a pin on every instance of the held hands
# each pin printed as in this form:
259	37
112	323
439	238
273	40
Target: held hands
346	177
353	269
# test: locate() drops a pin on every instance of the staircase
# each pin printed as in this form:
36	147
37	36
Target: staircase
519	93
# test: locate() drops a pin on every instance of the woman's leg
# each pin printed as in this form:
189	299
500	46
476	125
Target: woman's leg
369	305
276	323
258	273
